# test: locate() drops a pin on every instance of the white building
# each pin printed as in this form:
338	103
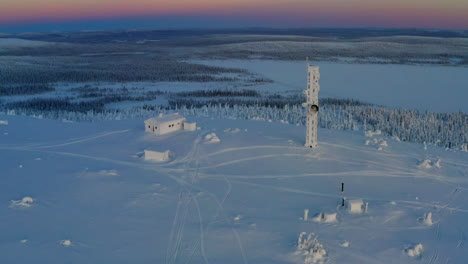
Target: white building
164	124
192	126
355	206
313	88
156	156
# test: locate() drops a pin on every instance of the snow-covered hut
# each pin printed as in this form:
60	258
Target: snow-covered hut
156	156
192	126
355	206
164	124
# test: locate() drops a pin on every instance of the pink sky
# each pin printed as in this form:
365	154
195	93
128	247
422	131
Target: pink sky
370	13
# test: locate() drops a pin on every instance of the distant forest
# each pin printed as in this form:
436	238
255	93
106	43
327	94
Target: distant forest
115	69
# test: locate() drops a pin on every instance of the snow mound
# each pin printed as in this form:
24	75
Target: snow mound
24	241
212	138
238	218
312	251
4	122
102	173
425	164
232	131
415	251
108	173
26	202
345	244
379	142
426	219
66	243
325	218
428	164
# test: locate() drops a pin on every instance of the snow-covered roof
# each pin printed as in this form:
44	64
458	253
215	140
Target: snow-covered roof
166	118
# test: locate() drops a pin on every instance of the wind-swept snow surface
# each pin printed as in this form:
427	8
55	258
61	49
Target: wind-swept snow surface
86	197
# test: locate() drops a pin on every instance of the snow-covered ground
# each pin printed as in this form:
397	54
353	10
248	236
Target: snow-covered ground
82	193
433	88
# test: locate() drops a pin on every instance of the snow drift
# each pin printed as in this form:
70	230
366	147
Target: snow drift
26	202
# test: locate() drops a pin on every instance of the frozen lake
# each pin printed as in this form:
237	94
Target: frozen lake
433	88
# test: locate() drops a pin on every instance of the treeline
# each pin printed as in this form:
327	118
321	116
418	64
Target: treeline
24	89
41	105
448	130
247	98
219	93
88	91
115	69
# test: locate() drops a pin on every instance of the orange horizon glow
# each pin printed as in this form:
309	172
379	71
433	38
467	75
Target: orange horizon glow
396	13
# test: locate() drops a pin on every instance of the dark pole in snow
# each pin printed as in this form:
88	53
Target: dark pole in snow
342	201
342	187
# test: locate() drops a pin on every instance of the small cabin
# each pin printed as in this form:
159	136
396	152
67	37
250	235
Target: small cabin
164	124
156	156
355	206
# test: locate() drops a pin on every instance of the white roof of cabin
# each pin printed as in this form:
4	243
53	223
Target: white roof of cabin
165	118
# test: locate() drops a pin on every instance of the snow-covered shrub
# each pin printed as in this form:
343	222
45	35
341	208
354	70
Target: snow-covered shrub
425	164
464	147
370	133
66	243
310	249
415	251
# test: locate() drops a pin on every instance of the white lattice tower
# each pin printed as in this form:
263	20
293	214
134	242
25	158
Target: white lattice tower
313	88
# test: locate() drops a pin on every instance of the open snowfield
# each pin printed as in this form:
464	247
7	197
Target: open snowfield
82	193
423	87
